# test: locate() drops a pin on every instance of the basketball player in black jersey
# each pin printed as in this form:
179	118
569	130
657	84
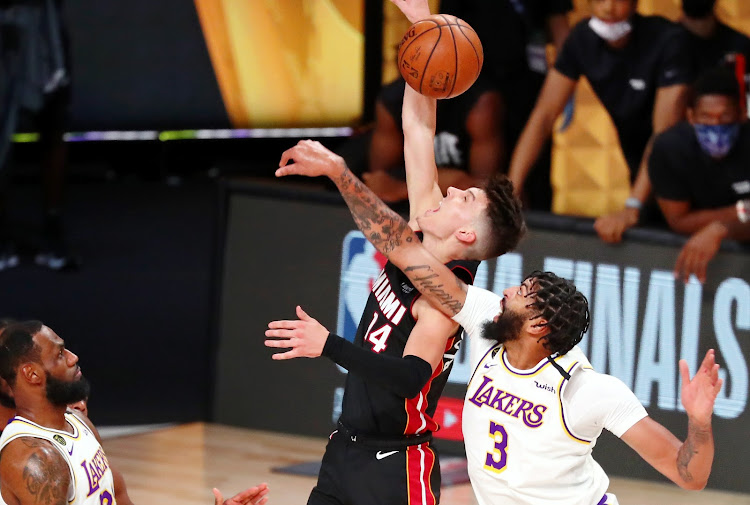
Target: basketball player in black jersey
404	348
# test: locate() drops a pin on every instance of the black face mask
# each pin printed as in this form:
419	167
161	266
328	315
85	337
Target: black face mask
698	8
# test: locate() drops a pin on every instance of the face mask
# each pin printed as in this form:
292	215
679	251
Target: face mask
717	140
697	8
610	31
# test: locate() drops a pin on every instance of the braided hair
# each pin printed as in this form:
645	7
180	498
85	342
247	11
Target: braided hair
564	308
506	221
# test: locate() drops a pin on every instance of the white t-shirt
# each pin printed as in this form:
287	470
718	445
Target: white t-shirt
529	433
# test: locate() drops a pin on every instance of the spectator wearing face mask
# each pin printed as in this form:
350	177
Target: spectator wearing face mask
639	68
700	170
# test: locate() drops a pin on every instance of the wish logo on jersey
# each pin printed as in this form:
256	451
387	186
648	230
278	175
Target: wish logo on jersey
361	265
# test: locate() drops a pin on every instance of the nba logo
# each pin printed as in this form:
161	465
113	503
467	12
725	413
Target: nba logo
361	265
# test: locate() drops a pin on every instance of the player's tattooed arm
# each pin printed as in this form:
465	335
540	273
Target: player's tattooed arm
35	472
699	438
384	228
388	231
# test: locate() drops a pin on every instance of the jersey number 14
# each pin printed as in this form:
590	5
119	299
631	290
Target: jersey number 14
379	337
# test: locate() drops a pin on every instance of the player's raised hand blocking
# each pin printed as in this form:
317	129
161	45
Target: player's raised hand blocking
699	394
253	496
311	159
305	337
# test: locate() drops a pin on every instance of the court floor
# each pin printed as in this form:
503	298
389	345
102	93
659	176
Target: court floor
180	465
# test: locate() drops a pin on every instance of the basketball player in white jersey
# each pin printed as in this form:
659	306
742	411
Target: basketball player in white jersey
50	454
534	408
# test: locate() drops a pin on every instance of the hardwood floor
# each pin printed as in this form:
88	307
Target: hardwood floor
179	466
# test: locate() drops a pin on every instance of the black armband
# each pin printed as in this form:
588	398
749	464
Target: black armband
405	376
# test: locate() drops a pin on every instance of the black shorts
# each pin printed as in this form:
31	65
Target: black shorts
356	473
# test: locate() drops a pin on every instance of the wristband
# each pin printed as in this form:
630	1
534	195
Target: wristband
633	203
743	212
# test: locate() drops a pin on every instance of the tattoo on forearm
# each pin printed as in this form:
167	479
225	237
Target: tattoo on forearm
382	226
423	277
696	438
46	478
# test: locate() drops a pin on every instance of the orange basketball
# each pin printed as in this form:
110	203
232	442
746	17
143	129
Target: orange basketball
440	56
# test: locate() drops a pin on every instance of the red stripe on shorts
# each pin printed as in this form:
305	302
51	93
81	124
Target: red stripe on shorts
420	463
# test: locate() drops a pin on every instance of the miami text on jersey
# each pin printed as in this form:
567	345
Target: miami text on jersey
389	304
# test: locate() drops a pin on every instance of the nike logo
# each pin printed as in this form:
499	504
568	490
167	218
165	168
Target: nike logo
381	454
71	450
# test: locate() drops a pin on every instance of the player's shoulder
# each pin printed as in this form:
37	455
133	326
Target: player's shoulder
30	465
25	450
597	384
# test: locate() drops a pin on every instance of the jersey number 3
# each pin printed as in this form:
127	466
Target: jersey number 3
498	458
379	337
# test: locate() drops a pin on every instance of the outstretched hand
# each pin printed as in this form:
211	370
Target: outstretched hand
252	496
414	10
306	337
311	159
699	394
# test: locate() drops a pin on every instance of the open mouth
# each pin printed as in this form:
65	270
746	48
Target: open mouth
432	211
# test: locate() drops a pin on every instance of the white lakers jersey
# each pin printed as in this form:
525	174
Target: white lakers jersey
91	479
519	448
529	433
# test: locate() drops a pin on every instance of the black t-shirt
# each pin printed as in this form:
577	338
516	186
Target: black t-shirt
386	324
626	80
707	53
680	170
506	28
452	141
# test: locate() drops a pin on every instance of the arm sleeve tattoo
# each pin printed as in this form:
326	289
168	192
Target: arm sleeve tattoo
46	476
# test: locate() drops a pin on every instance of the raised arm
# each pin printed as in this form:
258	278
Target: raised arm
688	463
385	229
418	119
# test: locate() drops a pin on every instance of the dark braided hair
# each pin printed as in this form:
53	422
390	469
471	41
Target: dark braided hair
507	224
564	308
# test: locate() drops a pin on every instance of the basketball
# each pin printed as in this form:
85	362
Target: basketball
440	56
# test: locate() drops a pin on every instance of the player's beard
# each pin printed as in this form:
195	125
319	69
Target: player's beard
62	393
506	329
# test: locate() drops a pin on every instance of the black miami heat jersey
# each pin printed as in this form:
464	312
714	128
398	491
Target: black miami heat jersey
385	326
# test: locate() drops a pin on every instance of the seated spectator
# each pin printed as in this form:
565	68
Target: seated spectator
700	170
514	35
711	42
468	141
638	67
